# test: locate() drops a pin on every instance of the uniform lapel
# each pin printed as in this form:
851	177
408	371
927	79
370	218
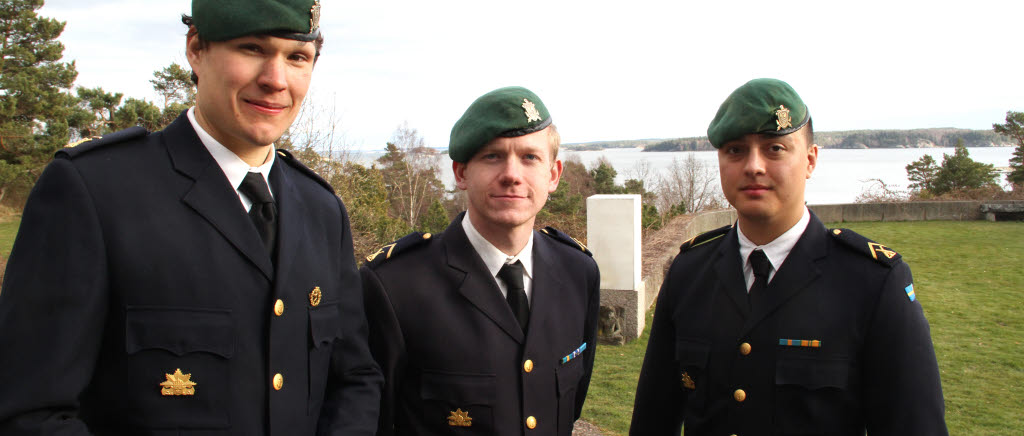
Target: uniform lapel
211	196
477	285
729	269
546	283
291	227
796	273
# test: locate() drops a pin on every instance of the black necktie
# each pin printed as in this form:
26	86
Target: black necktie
512	274
762	267
263	212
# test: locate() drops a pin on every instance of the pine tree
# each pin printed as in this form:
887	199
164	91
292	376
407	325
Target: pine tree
36	110
959	172
1014	128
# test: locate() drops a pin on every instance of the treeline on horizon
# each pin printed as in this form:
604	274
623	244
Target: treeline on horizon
851	139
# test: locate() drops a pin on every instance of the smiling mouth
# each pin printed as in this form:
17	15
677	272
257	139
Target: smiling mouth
266	107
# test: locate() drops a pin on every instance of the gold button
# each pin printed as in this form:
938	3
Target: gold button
745	348
278	381
528	365
531	423
279	308
426	236
314	297
837	231
739	395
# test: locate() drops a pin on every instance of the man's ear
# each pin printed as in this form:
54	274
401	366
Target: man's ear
459	168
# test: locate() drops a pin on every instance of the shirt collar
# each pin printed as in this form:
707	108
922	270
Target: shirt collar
778	249
232	165
494	258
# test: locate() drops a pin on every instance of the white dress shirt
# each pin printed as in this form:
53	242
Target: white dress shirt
232	165
776	250
494	258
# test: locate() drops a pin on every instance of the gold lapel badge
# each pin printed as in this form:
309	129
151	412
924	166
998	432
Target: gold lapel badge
314	296
314	16
688	381
178	384
458	418
879	248
783	121
532	114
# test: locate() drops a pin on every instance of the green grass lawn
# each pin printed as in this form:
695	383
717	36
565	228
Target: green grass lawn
969	277
8	230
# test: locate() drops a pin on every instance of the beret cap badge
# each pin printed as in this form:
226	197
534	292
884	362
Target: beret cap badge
784	121
532	114
314	15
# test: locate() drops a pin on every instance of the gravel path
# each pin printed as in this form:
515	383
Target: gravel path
583	428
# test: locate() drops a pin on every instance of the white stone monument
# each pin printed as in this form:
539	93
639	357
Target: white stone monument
614	237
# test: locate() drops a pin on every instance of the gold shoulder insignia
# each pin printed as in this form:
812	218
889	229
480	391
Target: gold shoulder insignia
390	250
560	236
858	243
704	238
81	141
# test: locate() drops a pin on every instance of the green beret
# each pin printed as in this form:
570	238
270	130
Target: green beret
505	112
766	106
221	20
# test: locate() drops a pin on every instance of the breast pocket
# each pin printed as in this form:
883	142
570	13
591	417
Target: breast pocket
458	403
812	394
324	329
567	377
177	367
692	357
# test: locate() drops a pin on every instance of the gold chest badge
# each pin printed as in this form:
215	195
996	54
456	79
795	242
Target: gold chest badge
458	418
178	384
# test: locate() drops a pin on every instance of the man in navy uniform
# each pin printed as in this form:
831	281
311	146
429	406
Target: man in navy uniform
778	325
487	328
160	285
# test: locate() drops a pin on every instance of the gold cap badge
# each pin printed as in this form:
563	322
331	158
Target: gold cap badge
783	121
532	114
458	418
314	296
314	16
178	384
688	382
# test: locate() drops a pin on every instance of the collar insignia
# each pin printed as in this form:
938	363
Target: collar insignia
458	418
783	121
314	16
178	384
532	114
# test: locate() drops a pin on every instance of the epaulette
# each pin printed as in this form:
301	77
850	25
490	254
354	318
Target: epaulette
391	250
704	238
291	160
91	143
559	236
858	243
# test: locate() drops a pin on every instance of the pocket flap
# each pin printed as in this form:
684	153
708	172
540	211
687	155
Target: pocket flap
324	324
812	373
459	388
179	330
691	352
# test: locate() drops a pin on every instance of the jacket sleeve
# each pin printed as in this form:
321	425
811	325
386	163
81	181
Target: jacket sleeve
590	335
354	383
52	307
660	401
387	345
902	391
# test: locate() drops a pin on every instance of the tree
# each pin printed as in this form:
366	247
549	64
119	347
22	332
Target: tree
960	172
136	112
436	219
36	105
174	84
411	170
604	177
96	101
690	185
1014	128
922	174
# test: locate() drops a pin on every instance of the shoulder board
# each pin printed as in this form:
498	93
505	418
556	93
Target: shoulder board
286	156
704	238
391	250
559	236
84	145
860	244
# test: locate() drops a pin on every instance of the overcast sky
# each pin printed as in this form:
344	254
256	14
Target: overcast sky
608	70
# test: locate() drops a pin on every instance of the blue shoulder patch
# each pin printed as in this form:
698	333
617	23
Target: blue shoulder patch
704	238
860	244
391	250
559	236
287	157
86	144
